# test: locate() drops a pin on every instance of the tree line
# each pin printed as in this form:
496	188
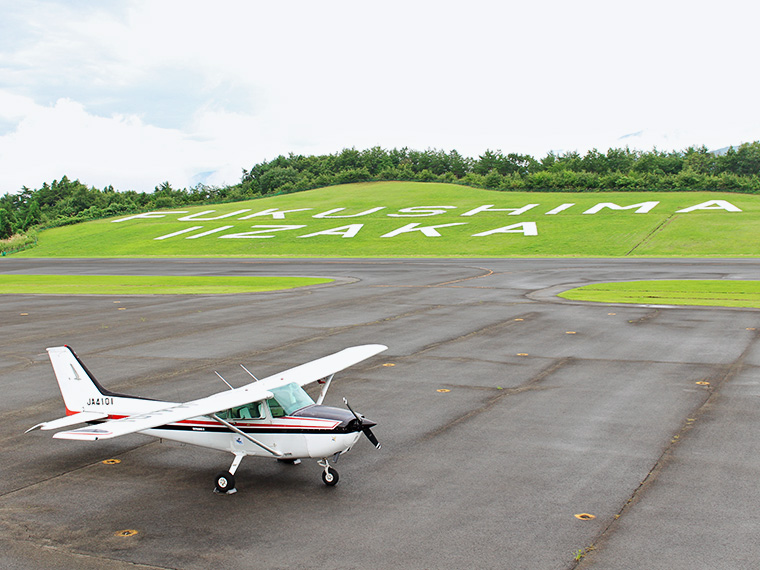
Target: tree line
68	201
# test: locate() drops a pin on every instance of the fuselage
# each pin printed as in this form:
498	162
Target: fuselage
313	431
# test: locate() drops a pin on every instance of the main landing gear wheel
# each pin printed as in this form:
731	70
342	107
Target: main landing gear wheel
224	482
330	477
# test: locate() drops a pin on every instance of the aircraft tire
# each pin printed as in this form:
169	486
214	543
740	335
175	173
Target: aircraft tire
224	481
330	477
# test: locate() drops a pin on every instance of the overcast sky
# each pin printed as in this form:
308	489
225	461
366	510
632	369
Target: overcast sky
134	93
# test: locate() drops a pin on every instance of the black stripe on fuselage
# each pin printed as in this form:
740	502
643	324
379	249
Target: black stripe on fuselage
224	429
99	386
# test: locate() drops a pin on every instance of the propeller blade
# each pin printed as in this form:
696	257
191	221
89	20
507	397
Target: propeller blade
352	411
365	425
371	437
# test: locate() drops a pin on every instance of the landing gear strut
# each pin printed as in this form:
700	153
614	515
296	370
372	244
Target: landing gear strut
225	480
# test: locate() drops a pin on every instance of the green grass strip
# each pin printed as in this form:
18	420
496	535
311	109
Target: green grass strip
722	293
148	284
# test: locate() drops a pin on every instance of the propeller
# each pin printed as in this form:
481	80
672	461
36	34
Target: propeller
365	424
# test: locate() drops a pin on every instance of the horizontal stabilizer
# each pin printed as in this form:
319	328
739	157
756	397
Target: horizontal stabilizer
68	421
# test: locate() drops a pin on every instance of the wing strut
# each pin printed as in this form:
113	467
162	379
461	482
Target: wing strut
248	437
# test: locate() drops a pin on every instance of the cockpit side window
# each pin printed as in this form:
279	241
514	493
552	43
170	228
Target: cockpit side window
250	411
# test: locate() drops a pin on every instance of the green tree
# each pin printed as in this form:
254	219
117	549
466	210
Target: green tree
6	224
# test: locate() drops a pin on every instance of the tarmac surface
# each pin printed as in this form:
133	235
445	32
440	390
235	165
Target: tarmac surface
645	417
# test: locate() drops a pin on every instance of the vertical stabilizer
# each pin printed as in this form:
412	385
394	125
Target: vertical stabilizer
80	391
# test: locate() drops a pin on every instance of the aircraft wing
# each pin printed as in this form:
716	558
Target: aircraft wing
323	367
171	414
254	392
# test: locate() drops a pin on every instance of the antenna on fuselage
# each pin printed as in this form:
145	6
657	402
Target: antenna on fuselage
249	373
223	380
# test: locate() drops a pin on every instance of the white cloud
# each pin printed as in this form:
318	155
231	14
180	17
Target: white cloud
135	93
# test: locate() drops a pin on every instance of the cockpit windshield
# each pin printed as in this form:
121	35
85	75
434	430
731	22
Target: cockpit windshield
288	399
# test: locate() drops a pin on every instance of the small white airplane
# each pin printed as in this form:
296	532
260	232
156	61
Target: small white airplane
271	417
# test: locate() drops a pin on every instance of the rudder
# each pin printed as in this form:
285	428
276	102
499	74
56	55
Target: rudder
79	389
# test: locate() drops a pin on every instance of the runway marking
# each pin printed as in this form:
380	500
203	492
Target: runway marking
488	273
126	533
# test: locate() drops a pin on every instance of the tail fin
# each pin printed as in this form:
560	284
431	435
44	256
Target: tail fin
80	391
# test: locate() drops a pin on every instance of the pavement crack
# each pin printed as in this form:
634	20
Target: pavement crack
501	394
72	470
663	460
487	329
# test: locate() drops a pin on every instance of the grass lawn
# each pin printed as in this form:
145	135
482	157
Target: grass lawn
373	220
147	285
723	293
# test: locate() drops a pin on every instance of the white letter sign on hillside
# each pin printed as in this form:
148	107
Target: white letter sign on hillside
148	215
643	208
559	209
229	231
524	228
328	213
421	211
429	231
197	216
261	233
276	213
711	205
490	208
348	231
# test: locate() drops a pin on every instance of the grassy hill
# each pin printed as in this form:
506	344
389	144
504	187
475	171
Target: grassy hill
412	219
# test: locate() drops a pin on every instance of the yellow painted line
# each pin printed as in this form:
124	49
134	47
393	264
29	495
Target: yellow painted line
443	390
111	462
121	309
24	314
126	532
389	364
703	383
522	354
571	332
519	319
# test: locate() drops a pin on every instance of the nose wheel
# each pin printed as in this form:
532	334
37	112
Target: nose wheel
329	475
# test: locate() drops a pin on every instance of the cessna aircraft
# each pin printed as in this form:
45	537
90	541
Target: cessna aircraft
271	417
